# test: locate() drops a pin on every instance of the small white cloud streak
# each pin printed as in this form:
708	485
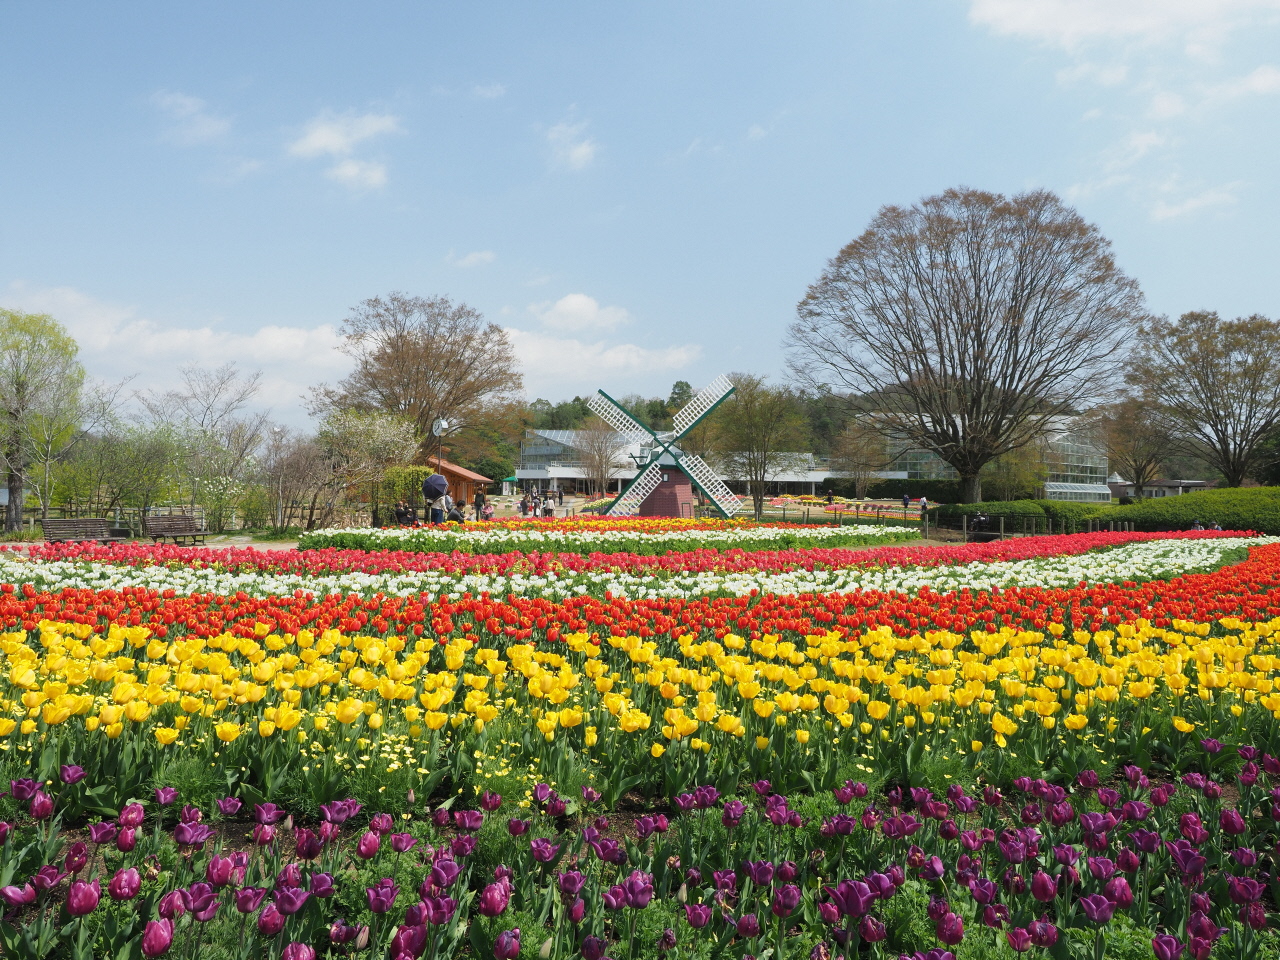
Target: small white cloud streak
1224	195
565	366
476	258
571	148
192	122
577	312
488	91
359	174
336	135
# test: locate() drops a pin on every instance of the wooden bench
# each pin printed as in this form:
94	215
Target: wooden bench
79	529
176	527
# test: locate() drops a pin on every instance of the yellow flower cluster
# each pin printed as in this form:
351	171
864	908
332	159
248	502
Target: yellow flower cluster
626	698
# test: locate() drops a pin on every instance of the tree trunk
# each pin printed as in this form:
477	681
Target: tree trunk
971	489
13	513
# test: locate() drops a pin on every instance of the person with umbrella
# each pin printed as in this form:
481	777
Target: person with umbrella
434	491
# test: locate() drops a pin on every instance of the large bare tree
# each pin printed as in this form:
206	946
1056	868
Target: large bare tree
759	432
1215	383
967	322
425	359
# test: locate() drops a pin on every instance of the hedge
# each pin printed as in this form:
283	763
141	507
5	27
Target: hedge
992	508
1249	508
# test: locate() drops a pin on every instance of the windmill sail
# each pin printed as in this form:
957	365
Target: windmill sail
628	504
710	484
701	404
612	413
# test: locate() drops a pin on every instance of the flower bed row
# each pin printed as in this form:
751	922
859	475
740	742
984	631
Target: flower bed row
1069	869
1040	561
640	536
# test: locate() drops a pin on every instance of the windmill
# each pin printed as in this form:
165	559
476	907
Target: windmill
660	457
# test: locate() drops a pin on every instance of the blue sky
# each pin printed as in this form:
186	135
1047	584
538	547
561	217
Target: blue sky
639	192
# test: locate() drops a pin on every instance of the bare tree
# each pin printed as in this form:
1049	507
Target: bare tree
968	322
425	360
66	413
221	435
860	453
602	449
358	447
1135	438
759	432
1214	383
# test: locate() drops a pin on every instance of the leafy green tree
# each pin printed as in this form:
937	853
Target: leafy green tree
40	380
759	432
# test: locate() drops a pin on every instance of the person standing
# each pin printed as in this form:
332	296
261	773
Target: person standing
479	502
906	502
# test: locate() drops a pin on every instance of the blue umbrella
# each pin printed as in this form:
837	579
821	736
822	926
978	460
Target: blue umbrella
435	486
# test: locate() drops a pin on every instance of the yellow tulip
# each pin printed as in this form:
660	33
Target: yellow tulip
226	730
166	735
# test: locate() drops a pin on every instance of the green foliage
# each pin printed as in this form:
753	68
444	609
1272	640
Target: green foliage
565	415
1252	508
404	483
938	491
993	509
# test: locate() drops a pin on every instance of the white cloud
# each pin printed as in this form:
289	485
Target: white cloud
571	148
337	134
1132	149
476	258
361	174
1165	105
577	312
116	342
561	367
1213	197
1263	80
756	132
192	122
488	91
1200	24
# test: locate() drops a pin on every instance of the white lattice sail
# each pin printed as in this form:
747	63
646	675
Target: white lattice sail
628	505
711	484
617	418
696	408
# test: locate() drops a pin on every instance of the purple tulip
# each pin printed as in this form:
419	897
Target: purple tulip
131	816
298	951
166	795
698	915
1232	822
77	858
733	812
83	897
1043	887
248	899
41	806
1243	890
264	834
1101	868
368	845
1043	933
615	898
125	884
192	834
518	828
219	871
590	794
157	937
403	842
290	900
444	873
785	900
1118	892
507	946
71	774
381	823
1019	939
290	875
306	844
468	820
174	904
268	814
747	926
270	921
24	789
382	896
494	899
19	896
202	899
984	891
1097	908
639	889
1211	745
462	846
321	885
760	872
577	911
229	806
570	883
47	877
1167	947
544	851
853	898
950	929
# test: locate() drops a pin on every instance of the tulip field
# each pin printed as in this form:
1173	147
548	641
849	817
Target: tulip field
642	739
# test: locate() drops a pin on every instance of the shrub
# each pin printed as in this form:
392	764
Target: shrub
1253	508
993	508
